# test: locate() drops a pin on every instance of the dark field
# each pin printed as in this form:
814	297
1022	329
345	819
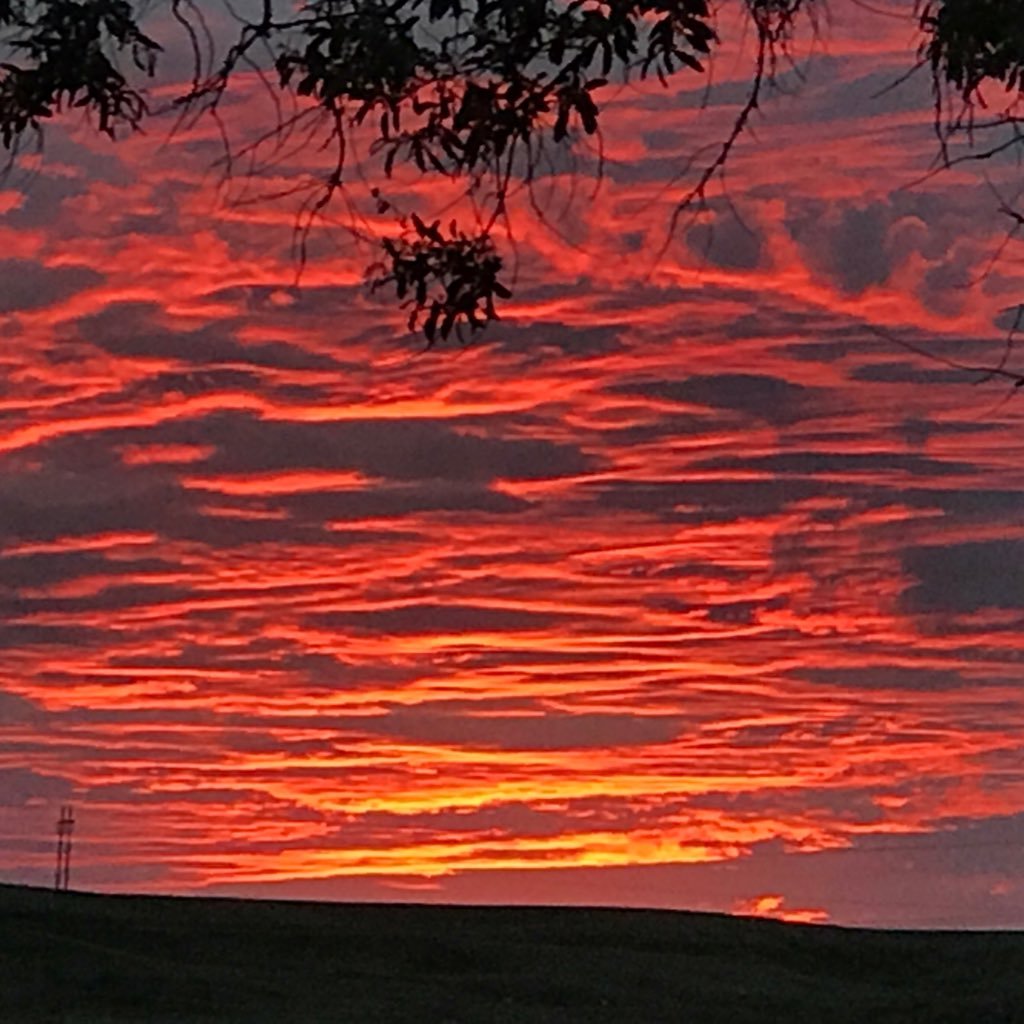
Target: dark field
99	959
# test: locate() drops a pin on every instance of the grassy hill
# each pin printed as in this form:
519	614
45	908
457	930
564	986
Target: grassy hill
103	959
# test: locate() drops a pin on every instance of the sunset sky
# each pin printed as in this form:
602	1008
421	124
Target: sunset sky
686	586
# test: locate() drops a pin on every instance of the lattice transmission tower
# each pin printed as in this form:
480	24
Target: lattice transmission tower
65	827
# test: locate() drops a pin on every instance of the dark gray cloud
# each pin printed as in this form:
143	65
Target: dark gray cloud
436	618
25	285
969	502
660	139
45	568
287	301
705	500
726	241
316	672
399	501
811	463
840	345
849	247
513	818
759	396
857	246
22	786
404	450
839	803
112	599
46	506
661	427
534	342
888	677
743	613
42	197
100	496
875	94
16	710
133	329
77	486
917	431
549	730
966	578
946	287
19	635
903	372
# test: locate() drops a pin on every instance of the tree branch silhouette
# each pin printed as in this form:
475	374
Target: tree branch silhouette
469	91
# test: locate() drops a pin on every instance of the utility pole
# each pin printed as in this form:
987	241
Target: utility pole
65	826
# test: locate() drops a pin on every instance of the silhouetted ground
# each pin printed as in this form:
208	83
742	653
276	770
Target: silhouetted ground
84	959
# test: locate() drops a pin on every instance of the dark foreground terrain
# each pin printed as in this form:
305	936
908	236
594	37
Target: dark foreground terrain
100	959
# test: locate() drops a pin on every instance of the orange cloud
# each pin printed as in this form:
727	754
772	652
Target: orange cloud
773	906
